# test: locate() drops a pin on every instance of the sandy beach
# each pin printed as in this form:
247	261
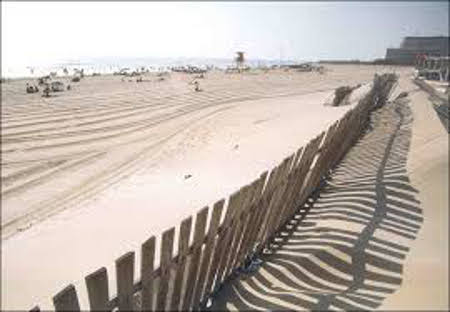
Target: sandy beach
377	235
92	172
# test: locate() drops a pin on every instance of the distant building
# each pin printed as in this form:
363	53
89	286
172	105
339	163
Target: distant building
411	47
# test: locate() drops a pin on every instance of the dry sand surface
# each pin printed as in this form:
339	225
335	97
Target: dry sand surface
377	236
91	173
425	286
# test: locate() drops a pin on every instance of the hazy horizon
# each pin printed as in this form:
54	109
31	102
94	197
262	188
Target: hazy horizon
45	32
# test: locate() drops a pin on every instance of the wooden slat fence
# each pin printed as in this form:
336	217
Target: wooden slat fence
253	215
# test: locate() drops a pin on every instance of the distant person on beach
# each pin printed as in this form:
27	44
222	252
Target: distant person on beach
46	92
197	86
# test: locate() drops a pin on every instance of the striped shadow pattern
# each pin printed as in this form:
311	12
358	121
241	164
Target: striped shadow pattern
345	248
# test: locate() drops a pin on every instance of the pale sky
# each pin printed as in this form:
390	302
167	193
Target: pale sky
38	32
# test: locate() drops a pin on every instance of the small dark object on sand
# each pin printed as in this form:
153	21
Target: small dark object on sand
197	86
236	146
139	79
76	79
402	95
340	94
69	87
29	88
46	92
187	176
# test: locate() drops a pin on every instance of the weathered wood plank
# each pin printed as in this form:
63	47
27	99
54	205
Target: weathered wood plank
266	200
240	227
251	220
66	300
206	259
125	280
320	166
212	281
165	263
234	202
293	181
98	291
199	234
280	184
286	181
277	202
147	268
305	191
183	250
297	183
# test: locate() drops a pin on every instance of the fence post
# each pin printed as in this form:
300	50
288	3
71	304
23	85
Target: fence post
66	300
199	235
97	287
183	249
206	259
166	258
125	279
147	268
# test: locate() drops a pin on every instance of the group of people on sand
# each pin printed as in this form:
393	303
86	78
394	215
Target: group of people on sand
48	87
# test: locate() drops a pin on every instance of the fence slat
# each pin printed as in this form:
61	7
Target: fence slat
286	182
251	222
125	279
230	234
294	180
98	292
259	214
266	199
183	249
147	267
166	257
219	250
199	235
66	300
305	191
204	269
239	227
247	220
279	189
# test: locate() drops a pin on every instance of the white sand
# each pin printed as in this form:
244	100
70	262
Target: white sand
425	285
131	186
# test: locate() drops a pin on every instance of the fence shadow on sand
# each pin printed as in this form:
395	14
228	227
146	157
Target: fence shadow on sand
346	246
